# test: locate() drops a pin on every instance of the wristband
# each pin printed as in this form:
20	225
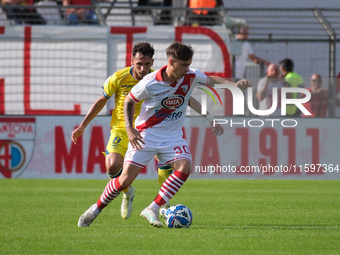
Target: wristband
209	117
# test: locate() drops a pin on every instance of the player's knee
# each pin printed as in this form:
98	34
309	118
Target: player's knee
114	168
185	167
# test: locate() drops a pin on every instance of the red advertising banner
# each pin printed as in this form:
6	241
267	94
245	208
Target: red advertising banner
40	147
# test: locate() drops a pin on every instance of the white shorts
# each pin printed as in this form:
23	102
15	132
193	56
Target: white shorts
165	154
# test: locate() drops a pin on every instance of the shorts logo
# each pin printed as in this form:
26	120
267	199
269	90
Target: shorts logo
173	102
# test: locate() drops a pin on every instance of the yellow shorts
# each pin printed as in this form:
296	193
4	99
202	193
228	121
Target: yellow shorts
118	142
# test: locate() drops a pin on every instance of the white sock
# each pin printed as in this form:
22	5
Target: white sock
153	206
96	210
129	192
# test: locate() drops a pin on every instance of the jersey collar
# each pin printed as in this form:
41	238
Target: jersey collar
159	77
131	72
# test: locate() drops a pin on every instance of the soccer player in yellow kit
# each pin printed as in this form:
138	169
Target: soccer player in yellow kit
119	84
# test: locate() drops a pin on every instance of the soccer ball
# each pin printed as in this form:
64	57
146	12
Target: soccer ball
178	216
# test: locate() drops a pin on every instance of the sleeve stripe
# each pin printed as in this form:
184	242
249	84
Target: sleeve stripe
105	95
133	98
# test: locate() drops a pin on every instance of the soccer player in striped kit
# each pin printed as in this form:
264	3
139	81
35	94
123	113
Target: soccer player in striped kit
158	130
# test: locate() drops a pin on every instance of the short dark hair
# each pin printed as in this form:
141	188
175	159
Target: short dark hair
180	51
143	48
287	64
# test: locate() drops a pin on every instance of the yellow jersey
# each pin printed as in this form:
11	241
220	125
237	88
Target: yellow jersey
295	81
120	83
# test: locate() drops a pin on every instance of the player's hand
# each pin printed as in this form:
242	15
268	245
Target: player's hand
217	130
243	84
135	138
77	133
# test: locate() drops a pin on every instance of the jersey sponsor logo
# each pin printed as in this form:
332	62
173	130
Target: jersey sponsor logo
168	116
173	102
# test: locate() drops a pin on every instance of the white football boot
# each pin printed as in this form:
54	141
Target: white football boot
126	208
88	217
152	216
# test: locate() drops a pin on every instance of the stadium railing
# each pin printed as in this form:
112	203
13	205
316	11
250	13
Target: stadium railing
122	13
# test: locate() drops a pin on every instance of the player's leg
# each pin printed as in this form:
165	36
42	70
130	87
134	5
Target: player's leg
114	162
175	181
112	190
163	173
115	152
169	188
115	186
180	159
134	162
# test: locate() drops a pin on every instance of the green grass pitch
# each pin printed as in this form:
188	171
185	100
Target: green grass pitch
229	217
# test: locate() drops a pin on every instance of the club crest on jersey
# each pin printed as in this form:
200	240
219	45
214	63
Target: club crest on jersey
173	101
184	88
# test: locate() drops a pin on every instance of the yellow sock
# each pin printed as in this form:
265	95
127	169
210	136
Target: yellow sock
163	174
126	190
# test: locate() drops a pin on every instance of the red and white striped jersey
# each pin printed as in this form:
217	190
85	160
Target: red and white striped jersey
163	110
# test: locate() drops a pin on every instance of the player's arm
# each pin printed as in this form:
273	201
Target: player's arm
258	60
217	129
262	93
241	84
91	114
134	135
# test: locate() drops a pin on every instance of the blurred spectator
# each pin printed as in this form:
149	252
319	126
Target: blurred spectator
293	80
22	15
337	82
163	17
337	90
74	16
265	87
247	53
203	17
318	104
142	3
52	14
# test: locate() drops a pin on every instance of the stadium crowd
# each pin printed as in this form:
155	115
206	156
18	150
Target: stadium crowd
20	12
